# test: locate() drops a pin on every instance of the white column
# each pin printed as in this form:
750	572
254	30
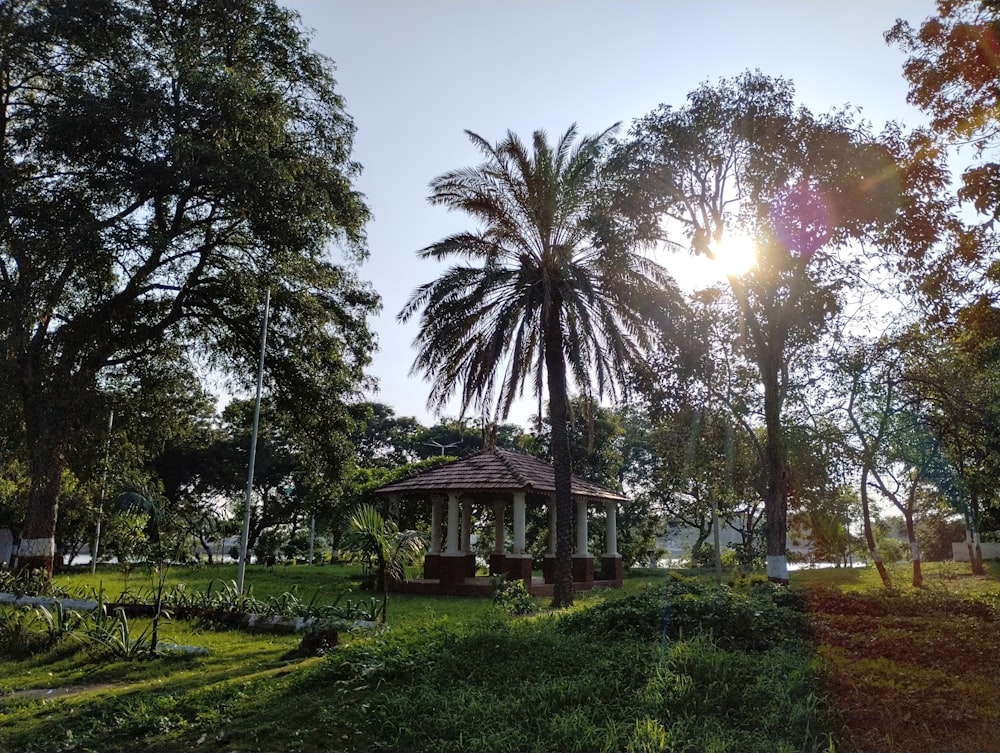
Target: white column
499	529
552	527
435	547
519	505
581	527
611	509
452	545
467	525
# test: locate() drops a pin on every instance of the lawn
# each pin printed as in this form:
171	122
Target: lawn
834	662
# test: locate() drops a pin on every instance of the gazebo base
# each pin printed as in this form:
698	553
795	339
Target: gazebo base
482	585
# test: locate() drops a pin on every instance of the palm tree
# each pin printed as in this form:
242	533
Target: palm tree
539	299
378	539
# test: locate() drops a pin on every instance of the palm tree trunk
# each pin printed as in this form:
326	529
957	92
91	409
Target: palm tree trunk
555	367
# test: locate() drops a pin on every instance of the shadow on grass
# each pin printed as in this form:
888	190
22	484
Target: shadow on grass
912	671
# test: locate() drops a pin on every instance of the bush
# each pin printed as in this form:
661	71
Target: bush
512	597
28	583
756	617
515	685
19	632
702	556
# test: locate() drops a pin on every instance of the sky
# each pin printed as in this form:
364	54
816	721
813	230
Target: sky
415	74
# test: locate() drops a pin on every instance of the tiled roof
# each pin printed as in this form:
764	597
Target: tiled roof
495	470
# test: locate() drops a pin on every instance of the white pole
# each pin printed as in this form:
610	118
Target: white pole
245	537
104	487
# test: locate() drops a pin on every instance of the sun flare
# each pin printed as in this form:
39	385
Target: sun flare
735	255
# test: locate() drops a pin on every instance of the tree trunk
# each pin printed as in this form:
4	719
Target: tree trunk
555	368
975	549
866	519
776	476
918	577
38	538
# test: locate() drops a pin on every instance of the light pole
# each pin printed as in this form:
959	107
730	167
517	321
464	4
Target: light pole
245	536
104	487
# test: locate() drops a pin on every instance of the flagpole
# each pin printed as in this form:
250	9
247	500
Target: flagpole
245	536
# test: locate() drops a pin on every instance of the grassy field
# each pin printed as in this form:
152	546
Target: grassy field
835	663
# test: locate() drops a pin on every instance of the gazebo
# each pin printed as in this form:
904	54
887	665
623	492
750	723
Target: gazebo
492	480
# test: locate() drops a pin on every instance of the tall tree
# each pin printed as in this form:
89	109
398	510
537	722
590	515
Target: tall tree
742	159
162	164
952	69
541	301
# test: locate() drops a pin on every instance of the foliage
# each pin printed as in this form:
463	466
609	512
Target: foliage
757	618
170	168
697	700
542	301
740	158
937	530
823	523
512	597
382	544
28	582
489	683
526	692
906	671
113	637
19	632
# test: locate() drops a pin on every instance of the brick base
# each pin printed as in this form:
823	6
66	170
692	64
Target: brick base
470	566
611	568
496	563
432	566
583	569
518	567
452	568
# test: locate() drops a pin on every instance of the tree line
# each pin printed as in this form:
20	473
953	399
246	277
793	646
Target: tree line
166	165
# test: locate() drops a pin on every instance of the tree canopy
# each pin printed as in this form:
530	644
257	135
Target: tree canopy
163	164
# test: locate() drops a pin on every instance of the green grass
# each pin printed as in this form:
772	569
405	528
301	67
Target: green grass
323	582
459	674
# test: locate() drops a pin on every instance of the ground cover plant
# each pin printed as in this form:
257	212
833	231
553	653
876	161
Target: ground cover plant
666	663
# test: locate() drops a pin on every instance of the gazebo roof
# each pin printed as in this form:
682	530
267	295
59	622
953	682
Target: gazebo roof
495	471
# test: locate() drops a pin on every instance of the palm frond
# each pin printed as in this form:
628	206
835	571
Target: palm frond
482	325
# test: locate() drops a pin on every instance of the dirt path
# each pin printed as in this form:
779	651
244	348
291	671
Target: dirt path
37	693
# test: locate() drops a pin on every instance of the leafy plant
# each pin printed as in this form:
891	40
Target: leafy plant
58	622
31	582
18	632
754	618
112	636
512	597
380	541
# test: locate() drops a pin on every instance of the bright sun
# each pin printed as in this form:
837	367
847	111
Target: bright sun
735	255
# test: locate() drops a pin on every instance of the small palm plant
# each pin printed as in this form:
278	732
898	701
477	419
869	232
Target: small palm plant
380	541
165	536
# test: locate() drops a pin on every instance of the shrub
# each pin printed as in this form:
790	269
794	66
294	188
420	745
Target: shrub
753	618
19	633
28	583
512	597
